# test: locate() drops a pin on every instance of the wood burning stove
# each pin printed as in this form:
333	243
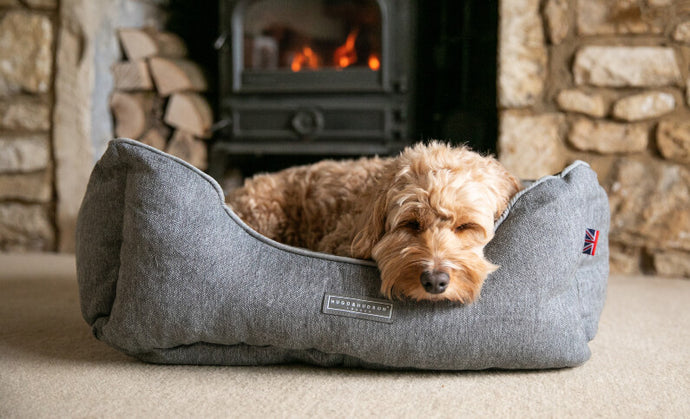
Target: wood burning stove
328	77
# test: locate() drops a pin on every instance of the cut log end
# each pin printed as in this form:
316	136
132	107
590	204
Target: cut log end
176	75
139	43
190	112
185	146
132	76
131	112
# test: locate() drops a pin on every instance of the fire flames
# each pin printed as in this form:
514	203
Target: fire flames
343	56
374	62
307	57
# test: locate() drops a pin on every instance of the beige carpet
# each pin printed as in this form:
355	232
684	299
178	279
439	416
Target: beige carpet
51	366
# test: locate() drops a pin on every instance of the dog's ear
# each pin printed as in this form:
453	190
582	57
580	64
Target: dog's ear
503	185
372	223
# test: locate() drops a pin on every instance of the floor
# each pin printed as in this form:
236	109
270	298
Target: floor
51	366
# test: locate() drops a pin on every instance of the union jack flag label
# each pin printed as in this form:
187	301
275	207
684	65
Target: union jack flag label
591	239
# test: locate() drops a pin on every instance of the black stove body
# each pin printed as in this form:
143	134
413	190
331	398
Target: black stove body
314	77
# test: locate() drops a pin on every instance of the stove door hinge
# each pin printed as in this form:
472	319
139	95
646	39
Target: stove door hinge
400	114
221	41
221	125
400	84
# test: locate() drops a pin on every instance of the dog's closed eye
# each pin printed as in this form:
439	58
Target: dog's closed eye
464	227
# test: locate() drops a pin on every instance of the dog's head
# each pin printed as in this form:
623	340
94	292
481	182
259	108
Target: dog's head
431	219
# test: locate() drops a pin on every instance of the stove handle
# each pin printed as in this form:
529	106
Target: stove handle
307	122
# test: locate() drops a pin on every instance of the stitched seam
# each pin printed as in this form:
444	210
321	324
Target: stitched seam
238	220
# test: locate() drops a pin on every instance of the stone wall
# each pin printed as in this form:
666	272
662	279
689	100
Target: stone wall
27	205
605	81
55	83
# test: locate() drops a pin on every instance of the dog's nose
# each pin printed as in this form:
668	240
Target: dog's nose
435	282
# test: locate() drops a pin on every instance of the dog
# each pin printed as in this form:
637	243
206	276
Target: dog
424	216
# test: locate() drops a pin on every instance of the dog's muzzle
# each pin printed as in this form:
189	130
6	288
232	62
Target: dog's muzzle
434	282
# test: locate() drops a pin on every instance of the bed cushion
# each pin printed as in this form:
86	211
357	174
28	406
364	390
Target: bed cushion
169	274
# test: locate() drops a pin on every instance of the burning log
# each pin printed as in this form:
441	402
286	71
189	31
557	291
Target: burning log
346	55
305	58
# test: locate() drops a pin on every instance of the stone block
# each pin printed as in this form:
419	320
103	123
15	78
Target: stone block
522	56
25	113
616	66
682	32
612	17
6	88
26	227
644	106
602	164
26	41
672	263
624	259
573	100
42	4
530	146
24	153
673	140
650	204
28	187
557	21
608	137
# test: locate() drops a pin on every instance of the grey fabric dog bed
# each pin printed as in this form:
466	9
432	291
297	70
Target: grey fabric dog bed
169	274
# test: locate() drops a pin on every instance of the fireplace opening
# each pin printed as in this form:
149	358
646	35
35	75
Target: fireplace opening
457	71
314	78
311	35
305	46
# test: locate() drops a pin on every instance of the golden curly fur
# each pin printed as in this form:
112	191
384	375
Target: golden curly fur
423	216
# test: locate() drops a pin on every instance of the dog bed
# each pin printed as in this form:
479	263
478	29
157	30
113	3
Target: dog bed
169	274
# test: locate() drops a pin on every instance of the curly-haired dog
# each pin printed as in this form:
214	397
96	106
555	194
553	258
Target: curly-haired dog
424	216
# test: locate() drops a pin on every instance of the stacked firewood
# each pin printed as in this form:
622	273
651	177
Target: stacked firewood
156	98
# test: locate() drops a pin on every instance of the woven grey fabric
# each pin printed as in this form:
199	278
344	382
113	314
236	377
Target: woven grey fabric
168	274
